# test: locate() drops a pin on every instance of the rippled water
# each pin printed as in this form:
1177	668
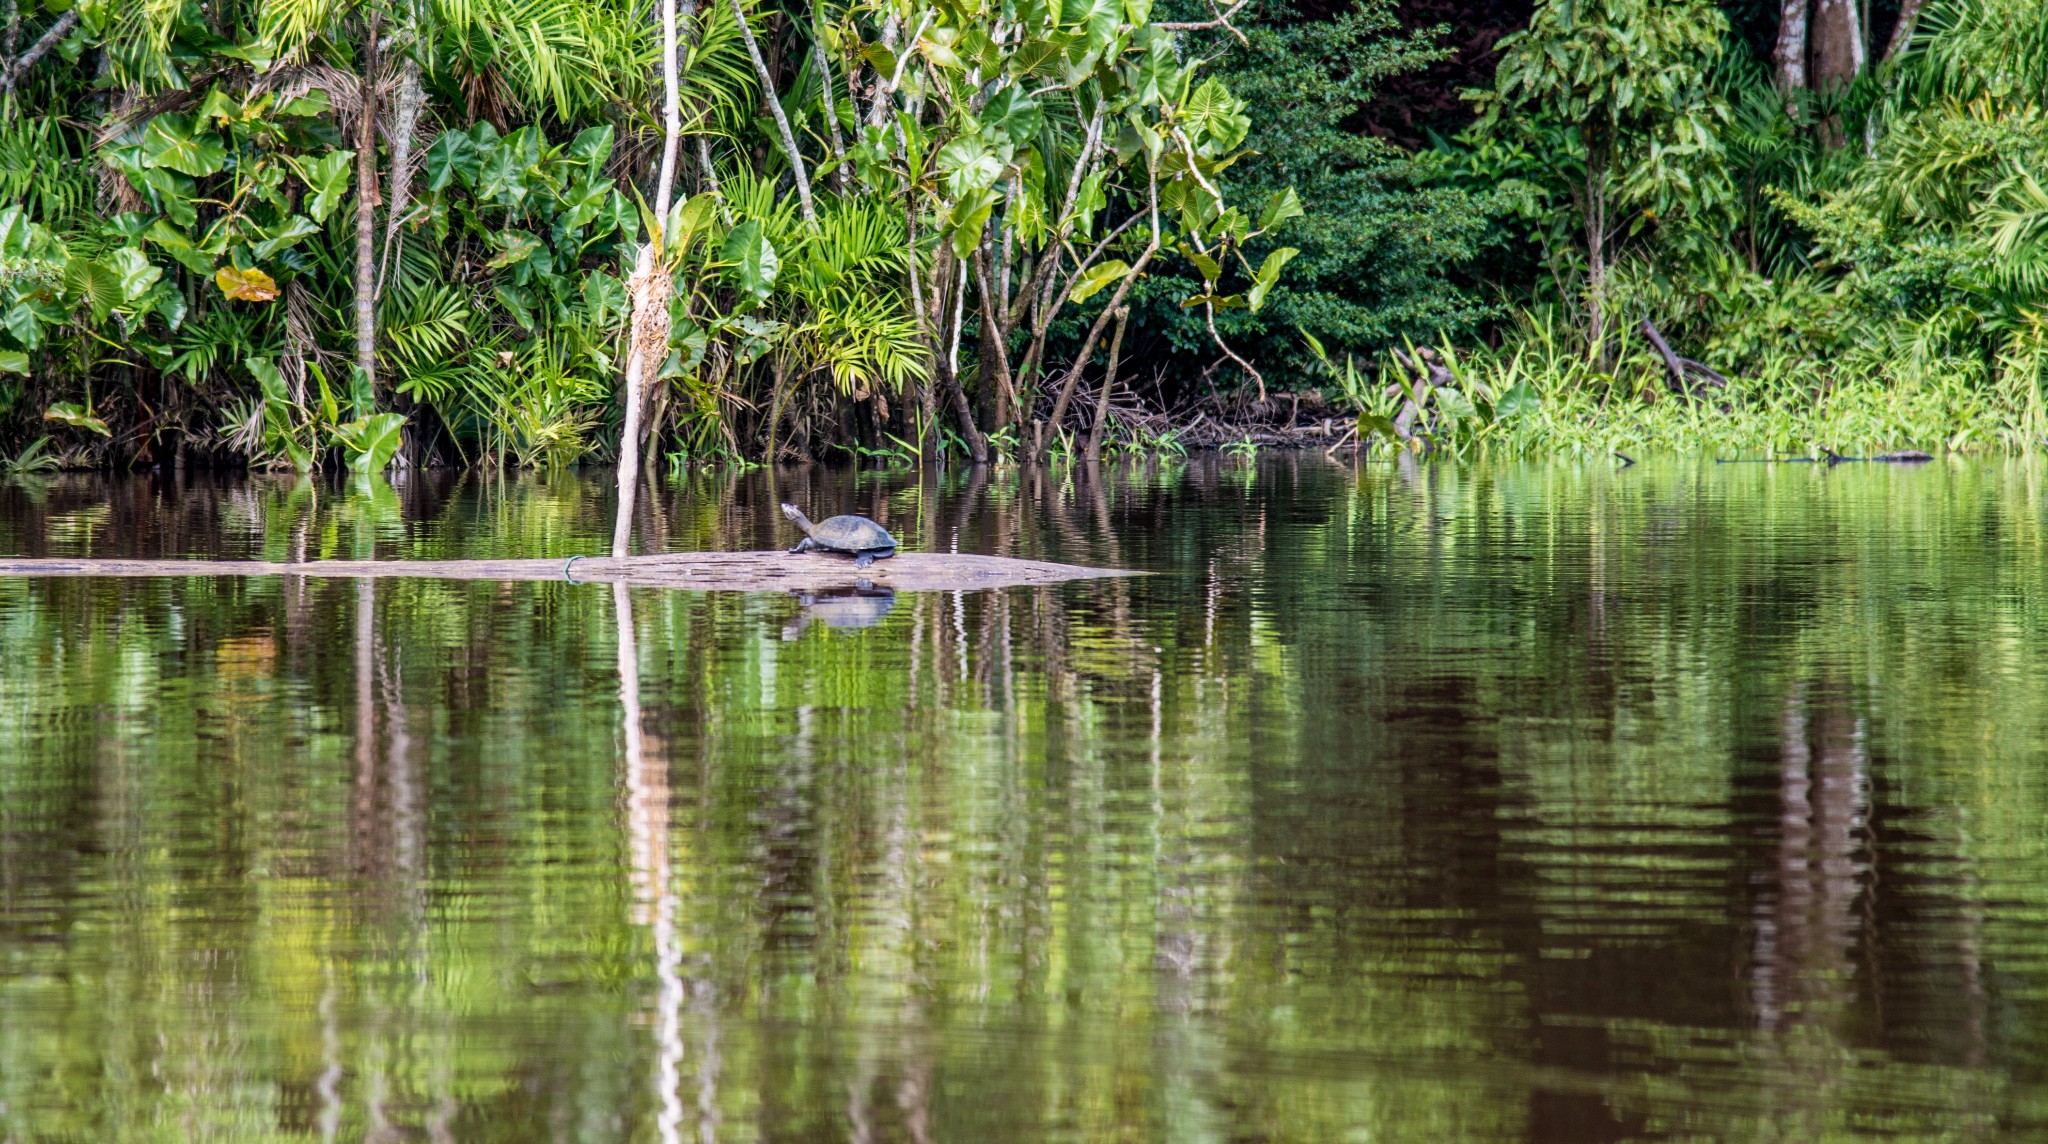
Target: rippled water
1518	803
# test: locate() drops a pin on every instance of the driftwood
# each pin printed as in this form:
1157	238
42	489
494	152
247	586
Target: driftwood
703	571
1684	371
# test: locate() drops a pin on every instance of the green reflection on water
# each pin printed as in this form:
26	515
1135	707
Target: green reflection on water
1522	803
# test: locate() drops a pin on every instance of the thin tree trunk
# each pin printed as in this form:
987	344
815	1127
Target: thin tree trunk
994	346
1791	54
1116	350
1116	302
1902	33
830	101
404	118
1596	255
651	291
796	158
366	212
927	437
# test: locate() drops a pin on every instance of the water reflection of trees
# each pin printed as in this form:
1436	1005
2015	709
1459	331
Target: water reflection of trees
1526	804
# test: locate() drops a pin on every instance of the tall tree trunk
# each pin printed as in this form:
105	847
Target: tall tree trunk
995	353
1791	54
1838	52
366	212
1116	302
1596	253
405	117
789	150
1116	352
651	290
1902	32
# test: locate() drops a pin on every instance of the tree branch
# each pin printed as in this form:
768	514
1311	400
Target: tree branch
36	51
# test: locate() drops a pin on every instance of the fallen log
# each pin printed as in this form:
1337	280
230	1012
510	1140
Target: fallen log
701	571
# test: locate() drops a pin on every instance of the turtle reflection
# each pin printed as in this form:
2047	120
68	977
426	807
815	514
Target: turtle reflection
861	606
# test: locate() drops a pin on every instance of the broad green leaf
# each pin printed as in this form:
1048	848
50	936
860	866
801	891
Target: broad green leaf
1210	269
134	271
173	192
245	285
1282	206
514	246
77	416
219	107
969	165
327	178
173	140
1013	113
937	46
1098	276
14	361
453	154
583	201
516	303
15	232
752	257
1519	401
311	105
175	243
1454	404
1377	423
92	284
283	236
591	148
1269	273
968	217
371	442
268	379
1215	119
604	297
686	220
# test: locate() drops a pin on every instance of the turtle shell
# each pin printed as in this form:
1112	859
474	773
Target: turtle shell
851	534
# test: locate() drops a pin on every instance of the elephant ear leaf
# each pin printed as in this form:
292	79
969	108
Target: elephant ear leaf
1097	277
1269	273
327	179
371	442
77	416
591	148
1282	206
453	155
134	271
282	236
753	259
173	140
14	361
1519	401
245	285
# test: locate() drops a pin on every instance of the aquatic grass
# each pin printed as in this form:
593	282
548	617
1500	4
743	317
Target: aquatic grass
1872	398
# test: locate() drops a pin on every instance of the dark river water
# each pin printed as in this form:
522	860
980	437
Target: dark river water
1509	803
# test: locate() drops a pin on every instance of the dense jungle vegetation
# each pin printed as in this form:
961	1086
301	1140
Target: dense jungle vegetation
297	233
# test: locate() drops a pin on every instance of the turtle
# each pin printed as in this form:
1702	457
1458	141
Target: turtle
856	536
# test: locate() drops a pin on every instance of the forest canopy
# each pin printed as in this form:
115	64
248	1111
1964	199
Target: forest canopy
357	233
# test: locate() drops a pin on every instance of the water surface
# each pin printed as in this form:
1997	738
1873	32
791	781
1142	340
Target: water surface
1517	803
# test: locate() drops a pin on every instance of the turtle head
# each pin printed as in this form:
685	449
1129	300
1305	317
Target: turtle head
796	516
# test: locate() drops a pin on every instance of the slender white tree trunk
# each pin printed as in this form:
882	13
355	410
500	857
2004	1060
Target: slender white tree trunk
366	213
651	291
796	158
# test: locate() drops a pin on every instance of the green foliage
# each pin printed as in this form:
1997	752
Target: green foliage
1378	236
